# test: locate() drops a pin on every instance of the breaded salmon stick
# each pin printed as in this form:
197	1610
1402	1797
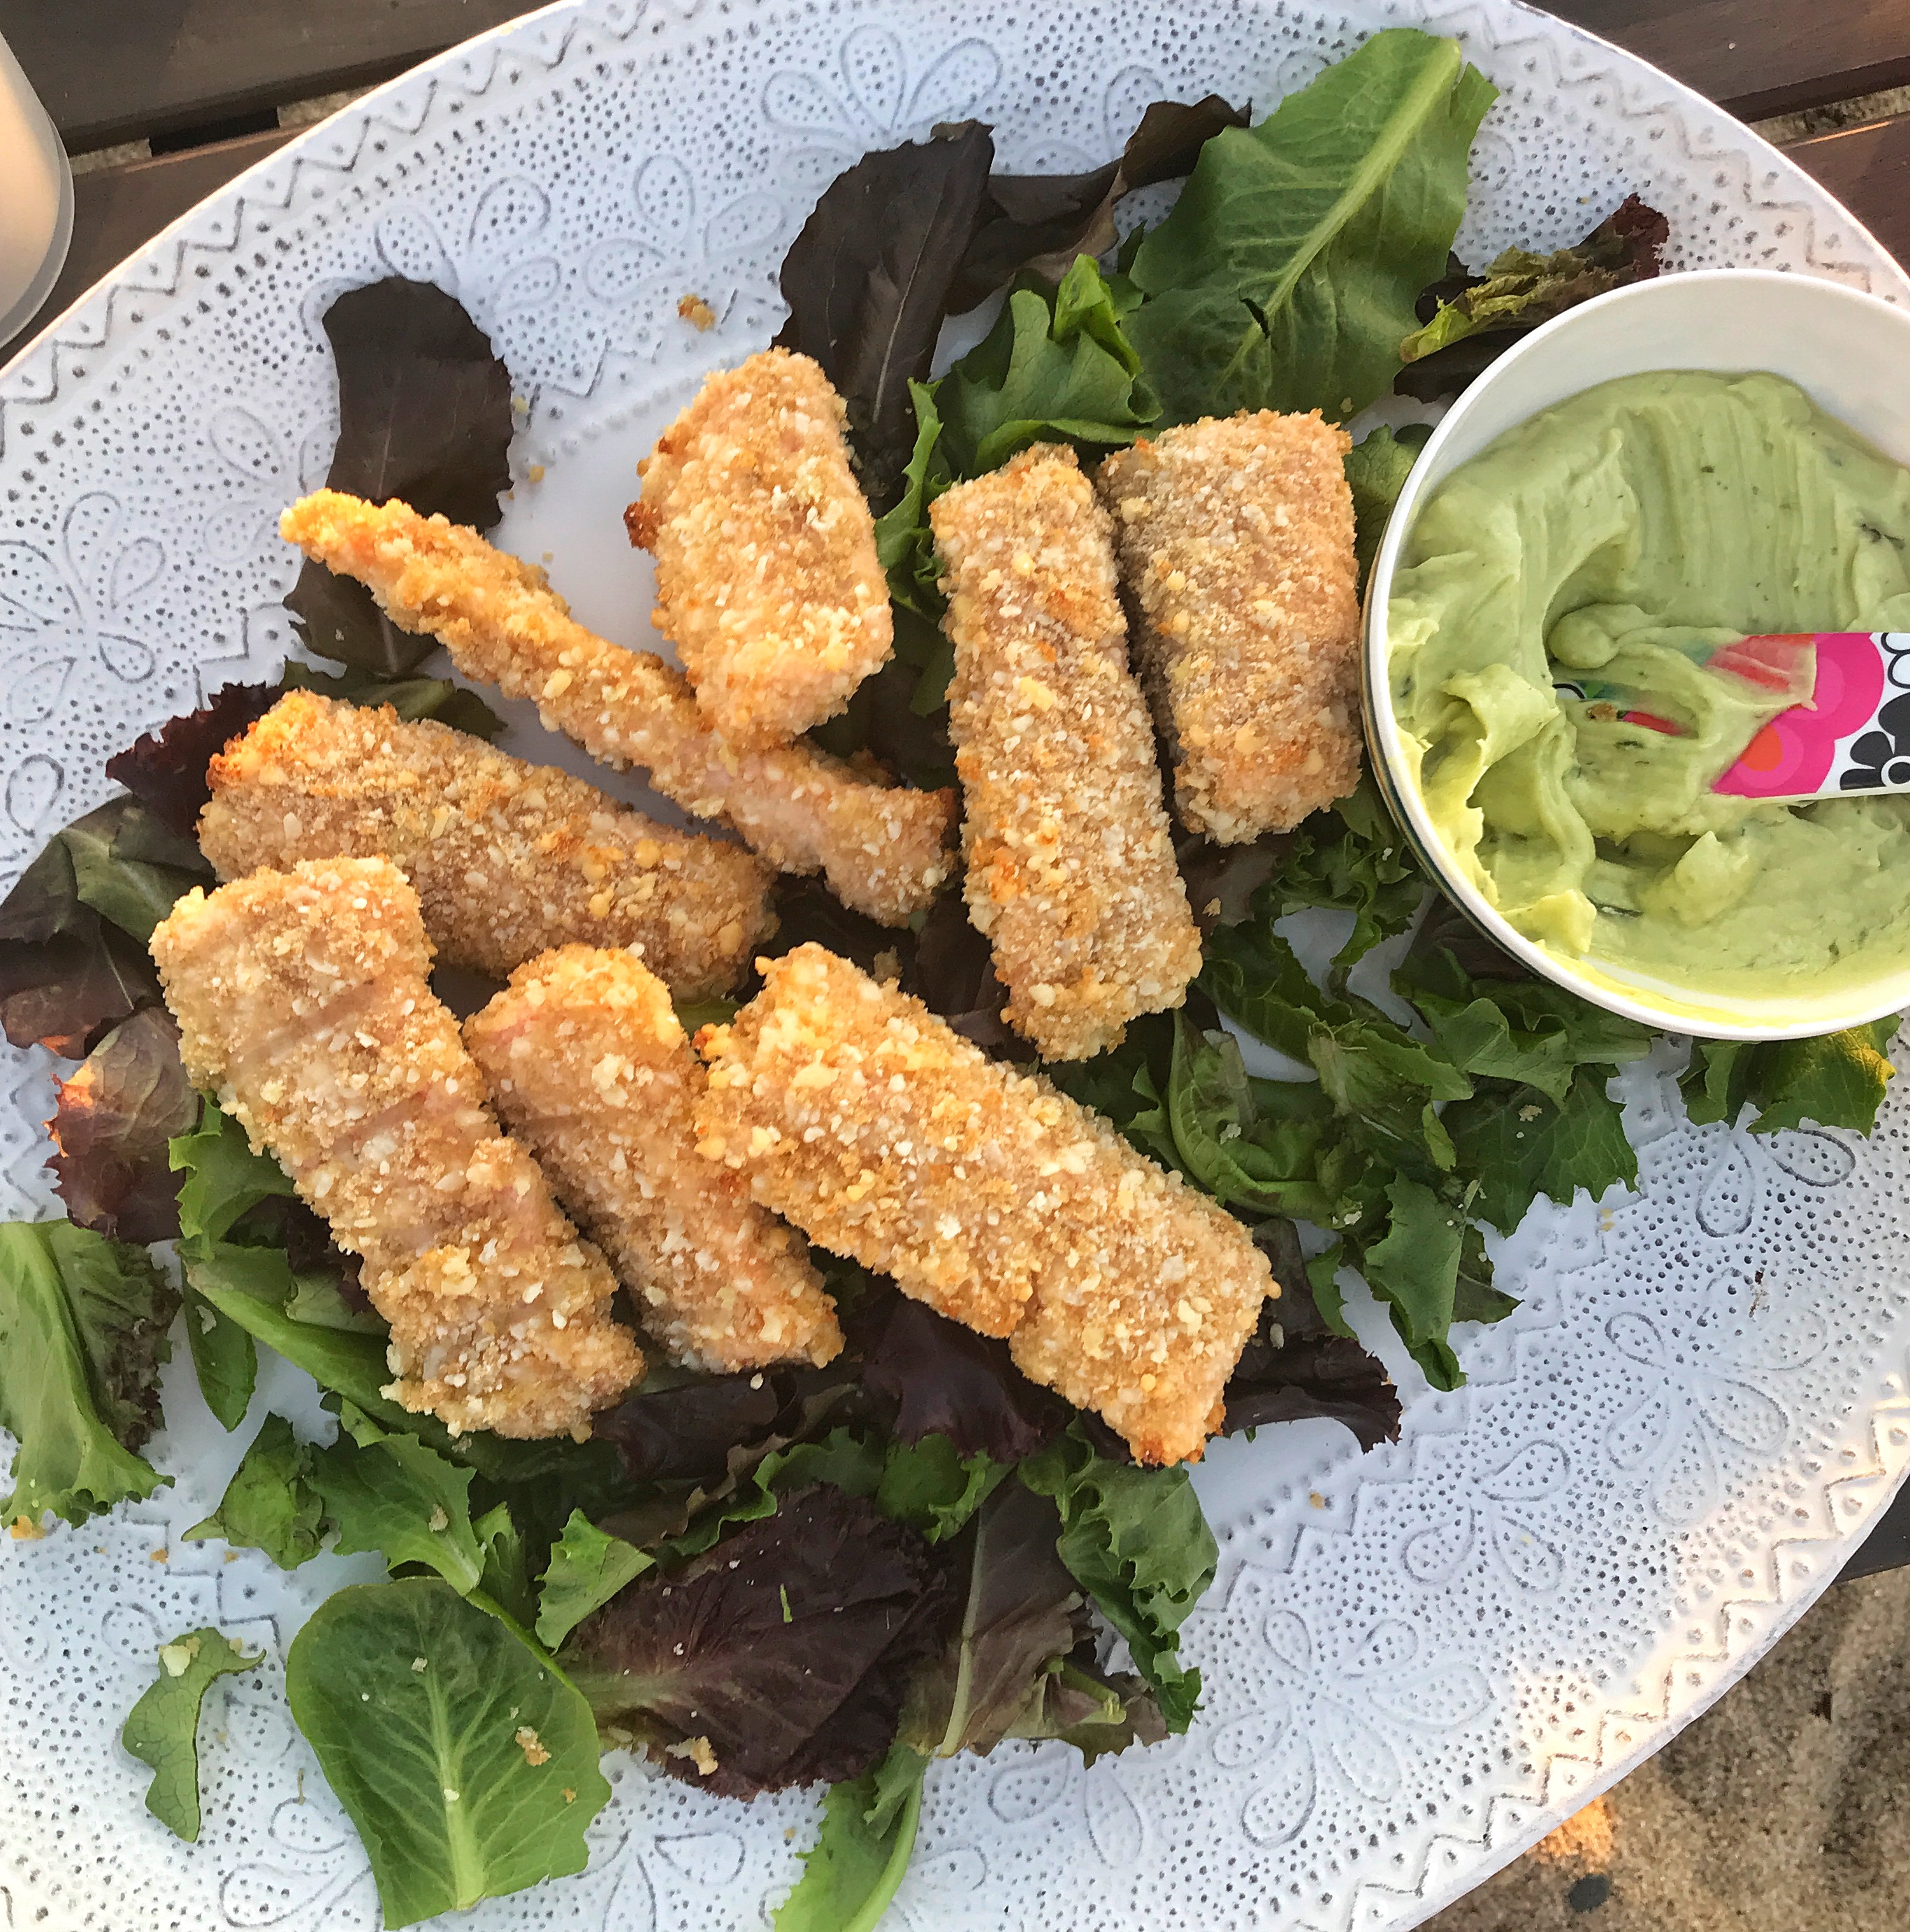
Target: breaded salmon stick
885	1136
302	1001
1235	542
883	848
591	1071
507	859
767	579
1071	868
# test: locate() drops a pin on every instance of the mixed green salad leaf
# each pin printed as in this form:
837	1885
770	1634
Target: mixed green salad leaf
162	1729
466	1760
840	1574
1287	274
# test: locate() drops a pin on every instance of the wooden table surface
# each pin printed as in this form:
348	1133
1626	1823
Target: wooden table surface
203	81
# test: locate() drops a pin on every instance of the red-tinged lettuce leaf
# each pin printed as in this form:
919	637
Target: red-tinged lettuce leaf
83	1334
1039	223
946	1380
780	1657
72	930
1468	321
1023	1613
112	1128
951	969
424	415
685	1432
868	282
1293	1367
165	770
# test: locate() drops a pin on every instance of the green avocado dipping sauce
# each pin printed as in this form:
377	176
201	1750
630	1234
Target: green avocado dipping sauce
1629	532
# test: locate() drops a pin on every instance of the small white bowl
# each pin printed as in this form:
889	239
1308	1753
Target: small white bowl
1850	353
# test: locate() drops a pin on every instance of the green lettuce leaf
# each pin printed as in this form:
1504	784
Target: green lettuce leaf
931	1487
1057	369
466	1761
162	1729
270	1504
1377	467
224	1357
225	1180
1836	1079
1287	274
588	1566
1523	1144
1414	1269
869	1830
1135	1539
83	1333
392	1493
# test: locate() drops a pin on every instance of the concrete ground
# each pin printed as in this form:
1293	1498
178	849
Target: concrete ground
1786	1808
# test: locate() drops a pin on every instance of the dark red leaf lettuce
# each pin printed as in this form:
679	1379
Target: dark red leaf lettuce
1293	1367
110	1129
165	770
424	415
780	1657
868	281
1040	222
946	1380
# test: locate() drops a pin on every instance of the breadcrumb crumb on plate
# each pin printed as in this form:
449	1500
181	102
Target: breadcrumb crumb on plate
860	1116
589	1067
768	582
303	1002
1071	865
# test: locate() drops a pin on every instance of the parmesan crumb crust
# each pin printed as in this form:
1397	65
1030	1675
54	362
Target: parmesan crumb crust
1236	541
302	1001
590	1067
883	849
1071	866
767	579
860	1116
507	859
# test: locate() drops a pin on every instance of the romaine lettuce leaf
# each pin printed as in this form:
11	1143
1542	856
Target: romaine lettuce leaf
466	1762
1286	276
83	1333
162	1729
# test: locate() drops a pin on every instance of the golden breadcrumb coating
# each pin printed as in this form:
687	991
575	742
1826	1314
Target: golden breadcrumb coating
302	1001
1235	542
1071	866
590	1069
885	1136
507	859
767	579
883	848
